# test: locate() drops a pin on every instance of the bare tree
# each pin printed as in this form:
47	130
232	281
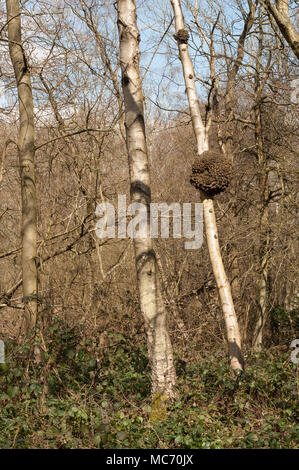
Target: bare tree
26	160
201	133
159	346
260	79
280	11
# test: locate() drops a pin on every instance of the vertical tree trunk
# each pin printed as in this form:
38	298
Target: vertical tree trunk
26	160
263	206
159	346
231	322
263	279
226	140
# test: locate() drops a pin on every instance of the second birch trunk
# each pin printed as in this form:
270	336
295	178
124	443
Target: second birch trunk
223	285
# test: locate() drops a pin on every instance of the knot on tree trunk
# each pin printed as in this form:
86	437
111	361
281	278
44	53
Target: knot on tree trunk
211	172
125	80
182	36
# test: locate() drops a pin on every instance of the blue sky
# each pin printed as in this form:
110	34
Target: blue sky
164	81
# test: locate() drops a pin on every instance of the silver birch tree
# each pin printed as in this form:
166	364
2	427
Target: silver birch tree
201	134
163	375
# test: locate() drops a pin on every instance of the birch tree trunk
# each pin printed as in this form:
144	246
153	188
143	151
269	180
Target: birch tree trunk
26	160
231	322
163	375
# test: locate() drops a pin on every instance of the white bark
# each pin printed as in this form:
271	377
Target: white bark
152	308
231	322
224	289
188	71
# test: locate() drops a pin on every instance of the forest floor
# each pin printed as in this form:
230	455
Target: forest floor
72	400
